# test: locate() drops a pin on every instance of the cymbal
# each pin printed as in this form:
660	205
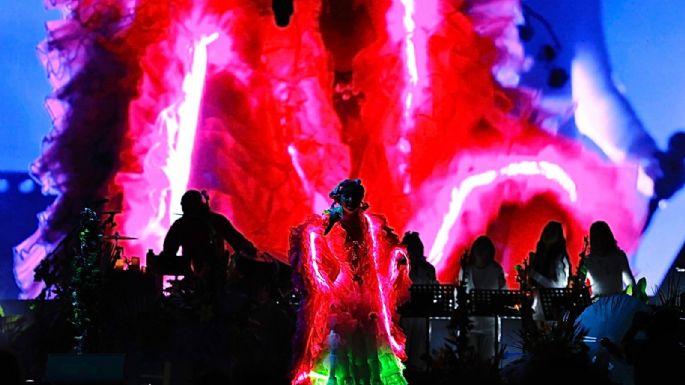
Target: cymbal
118	237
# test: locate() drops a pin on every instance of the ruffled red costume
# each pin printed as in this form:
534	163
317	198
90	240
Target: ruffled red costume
347	286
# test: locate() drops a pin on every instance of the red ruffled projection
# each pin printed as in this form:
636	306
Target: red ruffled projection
336	299
153	98
94	71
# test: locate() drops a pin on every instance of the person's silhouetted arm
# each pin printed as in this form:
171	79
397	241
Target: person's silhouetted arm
236	239
501	281
172	240
626	274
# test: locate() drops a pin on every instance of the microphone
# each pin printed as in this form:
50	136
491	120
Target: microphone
334	216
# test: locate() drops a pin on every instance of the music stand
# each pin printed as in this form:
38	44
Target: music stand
506	303
164	265
557	302
495	303
428	301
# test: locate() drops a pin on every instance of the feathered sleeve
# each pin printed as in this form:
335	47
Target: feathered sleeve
399	275
398	264
393	275
312	265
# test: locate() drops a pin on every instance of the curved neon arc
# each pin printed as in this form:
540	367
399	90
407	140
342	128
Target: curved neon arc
459	194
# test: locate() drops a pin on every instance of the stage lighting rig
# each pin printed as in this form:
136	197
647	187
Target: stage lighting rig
283	10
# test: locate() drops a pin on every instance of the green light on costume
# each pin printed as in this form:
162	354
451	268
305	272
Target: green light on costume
390	366
318	378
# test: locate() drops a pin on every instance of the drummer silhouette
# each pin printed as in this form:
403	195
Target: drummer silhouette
203	234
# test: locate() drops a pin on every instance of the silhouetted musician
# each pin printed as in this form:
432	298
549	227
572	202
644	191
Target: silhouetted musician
202	234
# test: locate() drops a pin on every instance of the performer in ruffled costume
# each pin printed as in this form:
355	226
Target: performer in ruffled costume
352	273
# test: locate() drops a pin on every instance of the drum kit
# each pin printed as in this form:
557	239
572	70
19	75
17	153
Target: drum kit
118	259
